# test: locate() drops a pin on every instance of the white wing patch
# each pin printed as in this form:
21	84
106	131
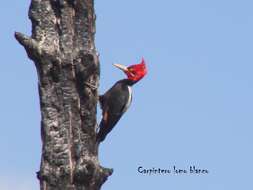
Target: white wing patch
129	99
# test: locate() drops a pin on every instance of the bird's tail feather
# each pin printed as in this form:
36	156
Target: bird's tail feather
102	132
105	127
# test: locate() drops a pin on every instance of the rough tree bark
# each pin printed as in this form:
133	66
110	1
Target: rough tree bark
63	50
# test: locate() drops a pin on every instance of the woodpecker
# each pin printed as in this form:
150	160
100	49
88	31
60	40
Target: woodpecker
115	102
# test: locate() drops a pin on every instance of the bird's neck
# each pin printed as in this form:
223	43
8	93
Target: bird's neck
128	82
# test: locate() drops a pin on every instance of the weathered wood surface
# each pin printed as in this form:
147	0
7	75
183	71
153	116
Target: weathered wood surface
63	50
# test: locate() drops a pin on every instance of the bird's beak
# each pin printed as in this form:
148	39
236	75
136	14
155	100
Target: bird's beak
121	67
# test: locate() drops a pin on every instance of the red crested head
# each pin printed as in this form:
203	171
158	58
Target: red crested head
134	72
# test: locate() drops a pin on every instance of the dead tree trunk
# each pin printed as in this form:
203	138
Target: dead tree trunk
63	50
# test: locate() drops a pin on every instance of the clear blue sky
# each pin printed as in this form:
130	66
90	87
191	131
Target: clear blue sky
194	107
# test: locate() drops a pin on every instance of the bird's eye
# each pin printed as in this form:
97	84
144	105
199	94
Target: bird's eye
133	72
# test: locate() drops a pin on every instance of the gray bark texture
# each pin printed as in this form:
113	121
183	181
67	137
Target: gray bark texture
63	50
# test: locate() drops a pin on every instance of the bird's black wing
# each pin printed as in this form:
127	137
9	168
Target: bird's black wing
113	103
